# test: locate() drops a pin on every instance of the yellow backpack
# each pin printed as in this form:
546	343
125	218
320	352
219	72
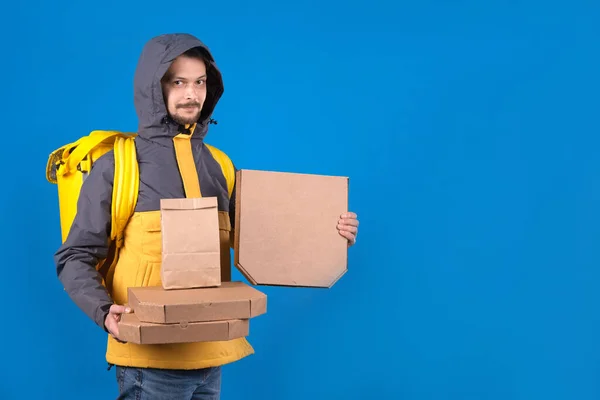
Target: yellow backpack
68	166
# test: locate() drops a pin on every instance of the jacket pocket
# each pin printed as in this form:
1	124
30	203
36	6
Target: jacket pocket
152	276
151	236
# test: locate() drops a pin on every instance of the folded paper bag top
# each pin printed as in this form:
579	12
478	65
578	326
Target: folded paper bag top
199	203
190	243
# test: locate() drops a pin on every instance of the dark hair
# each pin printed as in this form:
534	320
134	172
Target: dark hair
198	53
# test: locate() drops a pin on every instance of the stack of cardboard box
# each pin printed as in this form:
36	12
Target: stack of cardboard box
286	236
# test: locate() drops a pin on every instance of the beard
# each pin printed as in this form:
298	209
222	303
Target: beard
186	119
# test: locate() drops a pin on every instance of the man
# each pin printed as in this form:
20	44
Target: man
176	87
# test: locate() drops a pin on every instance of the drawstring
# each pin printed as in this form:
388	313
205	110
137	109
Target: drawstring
167	120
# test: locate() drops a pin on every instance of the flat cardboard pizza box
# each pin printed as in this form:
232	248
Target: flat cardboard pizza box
232	300
286	228
132	330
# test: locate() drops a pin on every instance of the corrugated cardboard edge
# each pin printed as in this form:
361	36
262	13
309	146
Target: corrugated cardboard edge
138	306
325	287
132	301
238	328
338	277
258	306
238	208
147	311
131	331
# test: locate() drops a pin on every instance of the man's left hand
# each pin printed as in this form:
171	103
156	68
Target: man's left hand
348	227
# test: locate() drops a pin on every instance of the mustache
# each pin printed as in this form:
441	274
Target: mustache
188	105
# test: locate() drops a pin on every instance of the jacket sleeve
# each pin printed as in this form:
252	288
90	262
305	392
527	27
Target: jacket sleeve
87	243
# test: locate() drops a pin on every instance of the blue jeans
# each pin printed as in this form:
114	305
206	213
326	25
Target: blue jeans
166	384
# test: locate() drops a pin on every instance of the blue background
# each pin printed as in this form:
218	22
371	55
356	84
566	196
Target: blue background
470	135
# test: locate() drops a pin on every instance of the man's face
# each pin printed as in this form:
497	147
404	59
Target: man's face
184	89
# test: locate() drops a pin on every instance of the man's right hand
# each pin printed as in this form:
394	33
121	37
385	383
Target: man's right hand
111	322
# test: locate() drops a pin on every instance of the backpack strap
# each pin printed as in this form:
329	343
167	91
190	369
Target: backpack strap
226	166
124	199
125	187
73	160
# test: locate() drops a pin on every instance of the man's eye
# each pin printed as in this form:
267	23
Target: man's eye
177	82
200	82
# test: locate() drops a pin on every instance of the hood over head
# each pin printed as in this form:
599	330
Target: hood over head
156	58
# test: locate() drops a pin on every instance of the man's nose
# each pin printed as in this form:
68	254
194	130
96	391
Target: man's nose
190	93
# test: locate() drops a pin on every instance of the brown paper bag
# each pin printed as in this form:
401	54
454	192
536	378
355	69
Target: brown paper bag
190	243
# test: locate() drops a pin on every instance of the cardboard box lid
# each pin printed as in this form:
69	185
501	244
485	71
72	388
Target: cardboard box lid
286	228
132	330
232	300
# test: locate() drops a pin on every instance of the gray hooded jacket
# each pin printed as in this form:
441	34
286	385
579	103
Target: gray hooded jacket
88	239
